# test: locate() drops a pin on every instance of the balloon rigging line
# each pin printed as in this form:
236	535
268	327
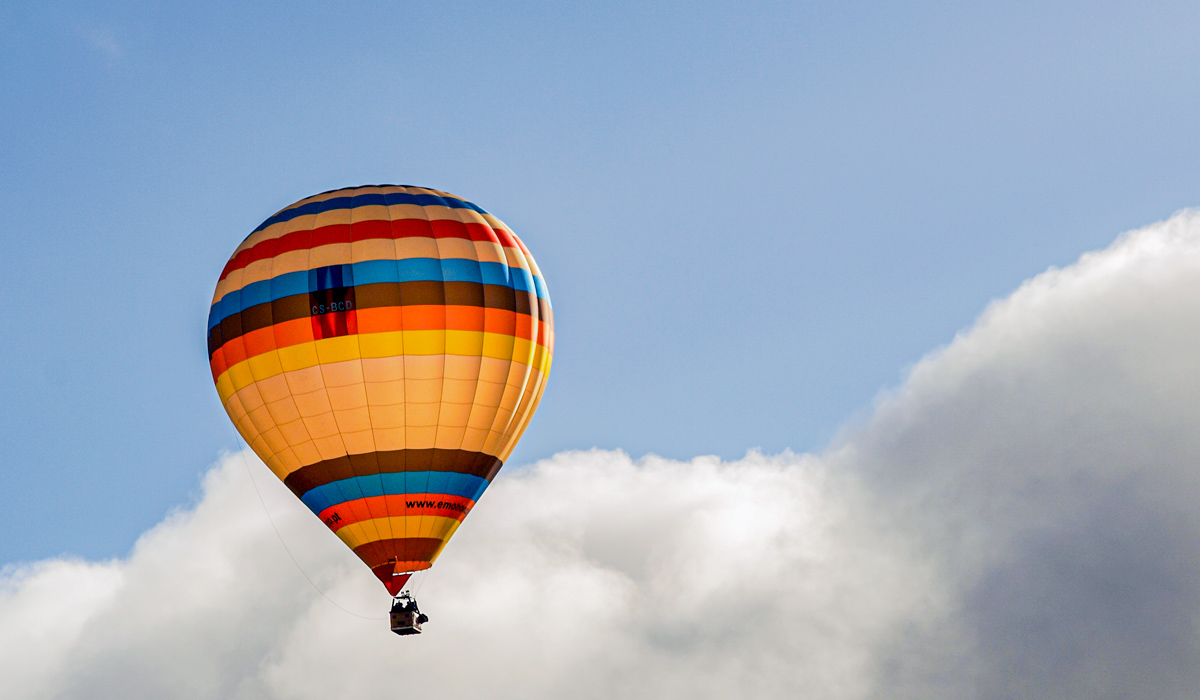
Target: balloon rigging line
274	527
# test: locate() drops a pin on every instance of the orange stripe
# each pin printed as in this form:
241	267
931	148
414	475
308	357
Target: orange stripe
396	506
381	320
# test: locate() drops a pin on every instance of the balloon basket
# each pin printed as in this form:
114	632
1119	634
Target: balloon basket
405	617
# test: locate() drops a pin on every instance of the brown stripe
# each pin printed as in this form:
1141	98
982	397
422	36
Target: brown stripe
369	296
378	553
328	471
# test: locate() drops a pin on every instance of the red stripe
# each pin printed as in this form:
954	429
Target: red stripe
364	230
360	509
334	324
505	238
408	554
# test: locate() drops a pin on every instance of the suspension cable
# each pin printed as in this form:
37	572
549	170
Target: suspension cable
250	473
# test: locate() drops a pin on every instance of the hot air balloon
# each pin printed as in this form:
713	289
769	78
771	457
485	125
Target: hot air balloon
382	349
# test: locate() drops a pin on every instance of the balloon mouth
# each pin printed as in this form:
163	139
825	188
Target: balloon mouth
396	584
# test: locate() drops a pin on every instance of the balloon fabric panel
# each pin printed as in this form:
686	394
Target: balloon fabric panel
382	349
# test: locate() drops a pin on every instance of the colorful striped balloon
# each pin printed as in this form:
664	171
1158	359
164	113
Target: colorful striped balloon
382	349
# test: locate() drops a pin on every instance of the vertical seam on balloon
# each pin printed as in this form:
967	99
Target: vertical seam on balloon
287	378
362	372
530	396
275	348
535	319
247	420
460	215
483	291
542	373
250	366
489	413
494	451
492	422
437	429
354	191
275	336
395	255
320	370
403	357
495	410
527	392
279	358
407	446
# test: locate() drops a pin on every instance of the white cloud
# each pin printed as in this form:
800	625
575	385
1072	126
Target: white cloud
1020	519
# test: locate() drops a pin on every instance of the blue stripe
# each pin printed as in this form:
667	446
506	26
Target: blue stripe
364	200
448	483
331	277
374	272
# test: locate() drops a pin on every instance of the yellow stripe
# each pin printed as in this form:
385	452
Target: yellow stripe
379	345
225	387
265	365
397	527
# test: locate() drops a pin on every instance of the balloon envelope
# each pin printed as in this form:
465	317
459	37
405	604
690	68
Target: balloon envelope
382	349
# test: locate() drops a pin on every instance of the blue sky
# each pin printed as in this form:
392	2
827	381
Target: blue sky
752	217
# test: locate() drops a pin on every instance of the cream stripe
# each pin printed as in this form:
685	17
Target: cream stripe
380	345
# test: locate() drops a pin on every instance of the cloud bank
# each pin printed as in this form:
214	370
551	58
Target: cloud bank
1021	518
